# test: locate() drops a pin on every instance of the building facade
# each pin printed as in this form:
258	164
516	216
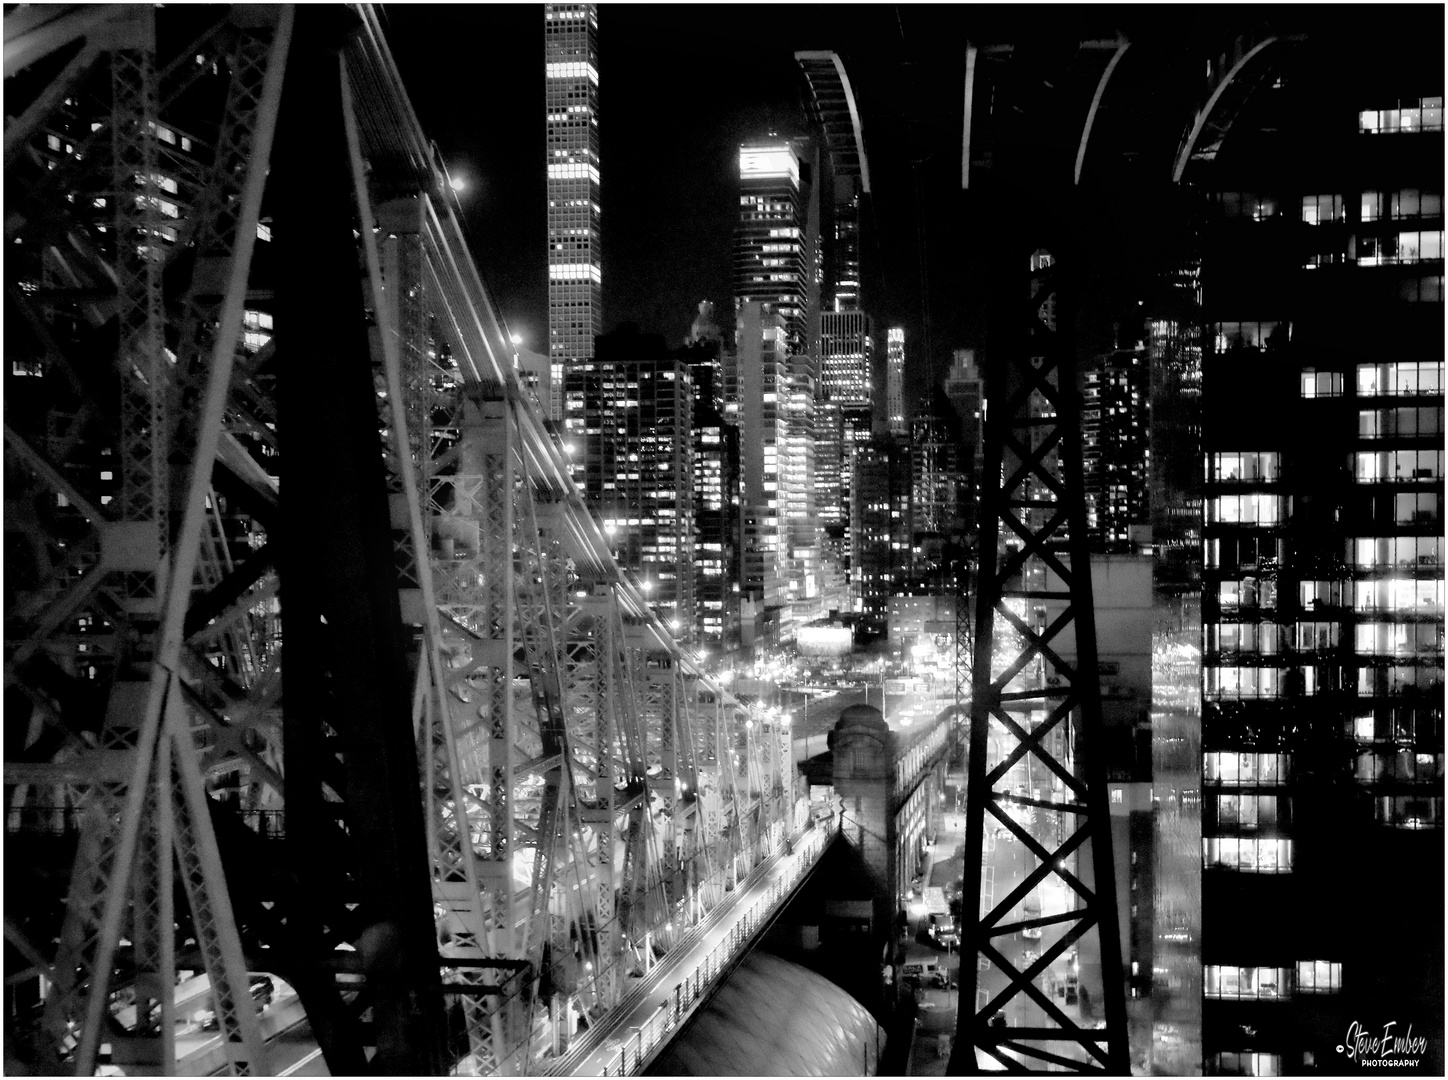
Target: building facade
936	483
636	446
965	390
895	381
1322	591
716	502
575	260
1114	419
761	349
880	515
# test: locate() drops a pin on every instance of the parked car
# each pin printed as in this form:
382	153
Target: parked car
942	932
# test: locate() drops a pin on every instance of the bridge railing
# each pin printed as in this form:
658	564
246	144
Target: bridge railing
639	1045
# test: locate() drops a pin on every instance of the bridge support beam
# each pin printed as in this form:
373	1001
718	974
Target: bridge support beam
1033	709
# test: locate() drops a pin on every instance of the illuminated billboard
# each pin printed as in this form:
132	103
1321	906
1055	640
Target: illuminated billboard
825	641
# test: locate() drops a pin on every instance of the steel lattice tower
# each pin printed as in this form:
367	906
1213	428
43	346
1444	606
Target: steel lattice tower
1036	692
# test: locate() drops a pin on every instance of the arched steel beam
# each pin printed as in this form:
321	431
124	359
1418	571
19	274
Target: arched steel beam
1184	153
833	58
1096	104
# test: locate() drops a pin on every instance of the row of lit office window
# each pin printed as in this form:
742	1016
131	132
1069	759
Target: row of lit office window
1271	983
1244	1063
1268	511
1407	674
1247	854
1397	466
1397	596
1410	116
1401	640
1383	765
1405	203
1403	378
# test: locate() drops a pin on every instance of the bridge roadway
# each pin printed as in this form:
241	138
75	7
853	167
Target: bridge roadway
658	1005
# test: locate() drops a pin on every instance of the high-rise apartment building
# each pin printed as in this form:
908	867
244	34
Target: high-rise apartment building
880	515
1174	474
845	354
1114	419
1323	583
895	381
965	390
761	344
636	400
575	261
936	480
716	500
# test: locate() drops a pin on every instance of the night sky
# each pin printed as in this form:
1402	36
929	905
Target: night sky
682	85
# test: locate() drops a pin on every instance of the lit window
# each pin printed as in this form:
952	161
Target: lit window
1246	466
1318	977
1316	384
1397	466
1389	423
1412	203
1261	983
1253	509
1320	209
1247	854
1249	335
1245	1063
1400	378
1412	115
1242	682
1231	768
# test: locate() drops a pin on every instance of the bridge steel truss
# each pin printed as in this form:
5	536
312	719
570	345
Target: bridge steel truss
1035	686
477	785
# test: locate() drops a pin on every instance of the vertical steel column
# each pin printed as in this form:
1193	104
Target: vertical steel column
1033	489
347	716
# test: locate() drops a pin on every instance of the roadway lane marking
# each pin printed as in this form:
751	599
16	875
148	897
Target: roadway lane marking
304	1061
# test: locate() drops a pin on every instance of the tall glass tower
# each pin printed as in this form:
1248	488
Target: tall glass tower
770	243
895	379
575	267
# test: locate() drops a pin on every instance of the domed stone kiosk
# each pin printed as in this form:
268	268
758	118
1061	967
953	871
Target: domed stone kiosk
863	743
864	778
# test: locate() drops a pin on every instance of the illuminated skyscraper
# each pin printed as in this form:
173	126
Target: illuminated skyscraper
1114	411
845	348
770	256
775	254
763	435
895	379
575	267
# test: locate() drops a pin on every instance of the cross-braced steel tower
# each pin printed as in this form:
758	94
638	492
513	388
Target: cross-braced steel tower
1035	777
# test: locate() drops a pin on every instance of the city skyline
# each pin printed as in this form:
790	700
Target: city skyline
672	124
485	715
